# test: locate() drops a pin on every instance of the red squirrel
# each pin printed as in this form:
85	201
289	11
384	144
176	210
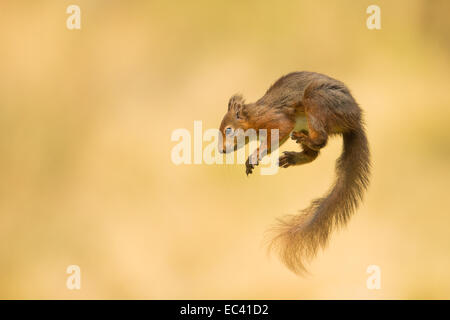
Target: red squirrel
309	107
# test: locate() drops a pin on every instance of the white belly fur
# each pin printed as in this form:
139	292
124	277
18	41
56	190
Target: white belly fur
300	123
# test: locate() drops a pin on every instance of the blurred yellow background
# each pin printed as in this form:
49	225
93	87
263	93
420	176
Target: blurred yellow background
86	176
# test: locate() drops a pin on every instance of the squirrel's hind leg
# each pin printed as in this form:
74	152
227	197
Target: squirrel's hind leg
292	158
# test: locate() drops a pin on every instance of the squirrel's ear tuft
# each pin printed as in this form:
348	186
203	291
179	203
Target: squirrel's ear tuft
236	102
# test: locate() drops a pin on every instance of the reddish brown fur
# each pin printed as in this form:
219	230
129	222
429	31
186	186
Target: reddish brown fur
329	109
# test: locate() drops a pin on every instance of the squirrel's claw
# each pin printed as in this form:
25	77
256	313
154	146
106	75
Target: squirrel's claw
299	136
249	168
287	159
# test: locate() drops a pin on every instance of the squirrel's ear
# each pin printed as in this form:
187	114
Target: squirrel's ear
236	103
241	113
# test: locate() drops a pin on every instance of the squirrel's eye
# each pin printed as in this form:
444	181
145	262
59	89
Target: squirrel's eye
228	131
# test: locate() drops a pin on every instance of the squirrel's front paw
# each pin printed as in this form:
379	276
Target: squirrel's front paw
300	136
250	165
248	168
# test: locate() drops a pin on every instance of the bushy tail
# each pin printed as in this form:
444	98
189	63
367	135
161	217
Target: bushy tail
298	237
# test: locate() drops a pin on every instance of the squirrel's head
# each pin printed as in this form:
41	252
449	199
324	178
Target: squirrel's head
236	118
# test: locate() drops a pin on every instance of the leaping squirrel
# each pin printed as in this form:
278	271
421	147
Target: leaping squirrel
310	107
